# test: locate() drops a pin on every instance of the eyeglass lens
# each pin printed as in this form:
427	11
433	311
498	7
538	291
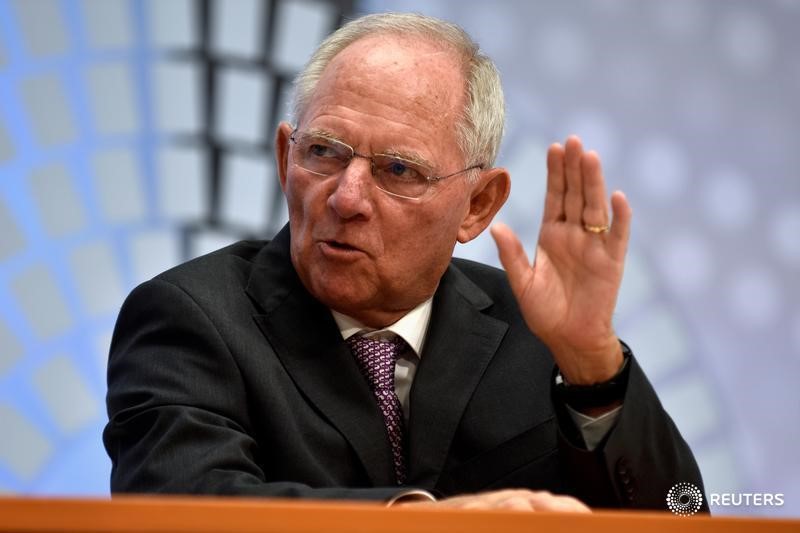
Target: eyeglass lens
325	157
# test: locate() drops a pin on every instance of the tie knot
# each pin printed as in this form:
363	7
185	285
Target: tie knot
376	359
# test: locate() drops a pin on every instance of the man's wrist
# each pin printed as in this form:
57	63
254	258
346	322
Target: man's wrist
587	367
597	398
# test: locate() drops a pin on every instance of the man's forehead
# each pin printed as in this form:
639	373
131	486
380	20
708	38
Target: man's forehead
407	95
421	73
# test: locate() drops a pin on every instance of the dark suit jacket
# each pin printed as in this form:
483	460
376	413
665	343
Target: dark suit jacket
227	377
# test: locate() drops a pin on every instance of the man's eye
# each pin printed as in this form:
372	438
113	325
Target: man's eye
321	150
402	171
398	169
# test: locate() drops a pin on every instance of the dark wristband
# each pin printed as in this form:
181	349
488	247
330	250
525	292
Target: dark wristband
597	394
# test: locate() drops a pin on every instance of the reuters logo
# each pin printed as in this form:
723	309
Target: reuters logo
684	499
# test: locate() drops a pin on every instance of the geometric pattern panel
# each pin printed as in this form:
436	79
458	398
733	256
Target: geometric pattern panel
133	135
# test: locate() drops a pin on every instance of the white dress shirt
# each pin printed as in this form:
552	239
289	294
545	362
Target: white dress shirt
413	328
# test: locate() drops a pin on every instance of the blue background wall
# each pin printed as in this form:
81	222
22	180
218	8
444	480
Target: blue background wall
136	134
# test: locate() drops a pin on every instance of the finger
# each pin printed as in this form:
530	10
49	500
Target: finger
515	503
483	500
556	186
570	504
573	199
595	212
546	501
512	256
512	499
620	227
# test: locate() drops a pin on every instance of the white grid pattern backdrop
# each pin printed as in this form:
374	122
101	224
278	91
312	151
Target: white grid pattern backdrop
137	133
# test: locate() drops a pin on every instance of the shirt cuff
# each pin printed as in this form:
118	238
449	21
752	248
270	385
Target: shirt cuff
594	429
411	495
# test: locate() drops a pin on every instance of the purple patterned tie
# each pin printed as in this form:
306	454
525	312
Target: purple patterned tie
376	359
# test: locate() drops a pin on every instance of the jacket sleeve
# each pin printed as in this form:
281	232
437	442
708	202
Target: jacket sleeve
639	460
177	407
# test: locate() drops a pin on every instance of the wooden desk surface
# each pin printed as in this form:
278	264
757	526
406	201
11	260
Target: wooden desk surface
143	514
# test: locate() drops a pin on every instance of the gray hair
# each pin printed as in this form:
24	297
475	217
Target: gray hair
480	128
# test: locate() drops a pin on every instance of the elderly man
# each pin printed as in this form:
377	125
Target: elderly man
352	357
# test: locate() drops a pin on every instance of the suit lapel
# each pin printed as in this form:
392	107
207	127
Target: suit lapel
460	344
305	337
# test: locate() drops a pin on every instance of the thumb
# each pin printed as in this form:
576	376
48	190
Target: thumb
512	256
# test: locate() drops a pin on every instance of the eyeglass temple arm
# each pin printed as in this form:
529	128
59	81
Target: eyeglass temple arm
439	178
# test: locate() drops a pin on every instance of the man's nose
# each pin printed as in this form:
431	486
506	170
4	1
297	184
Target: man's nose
352	196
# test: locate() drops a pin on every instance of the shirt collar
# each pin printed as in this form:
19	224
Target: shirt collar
412	327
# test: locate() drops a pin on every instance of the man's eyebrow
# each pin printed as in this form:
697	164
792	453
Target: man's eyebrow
411	157
325	134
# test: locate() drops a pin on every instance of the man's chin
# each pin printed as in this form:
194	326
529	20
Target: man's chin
337	292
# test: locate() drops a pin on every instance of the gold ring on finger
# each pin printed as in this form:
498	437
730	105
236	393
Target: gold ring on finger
591	228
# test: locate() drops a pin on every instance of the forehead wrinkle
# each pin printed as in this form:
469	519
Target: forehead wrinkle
429	102
324	107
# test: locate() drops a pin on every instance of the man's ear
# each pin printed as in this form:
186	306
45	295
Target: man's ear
488	195
282	135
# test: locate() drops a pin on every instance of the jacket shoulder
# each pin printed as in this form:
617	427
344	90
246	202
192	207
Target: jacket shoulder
233	260
469	266
493	283
492	280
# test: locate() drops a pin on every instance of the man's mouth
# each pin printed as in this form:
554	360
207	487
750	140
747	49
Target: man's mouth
340	246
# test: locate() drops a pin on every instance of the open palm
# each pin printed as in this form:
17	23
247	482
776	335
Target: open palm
567	296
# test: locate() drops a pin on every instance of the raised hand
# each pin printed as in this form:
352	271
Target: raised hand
567	296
